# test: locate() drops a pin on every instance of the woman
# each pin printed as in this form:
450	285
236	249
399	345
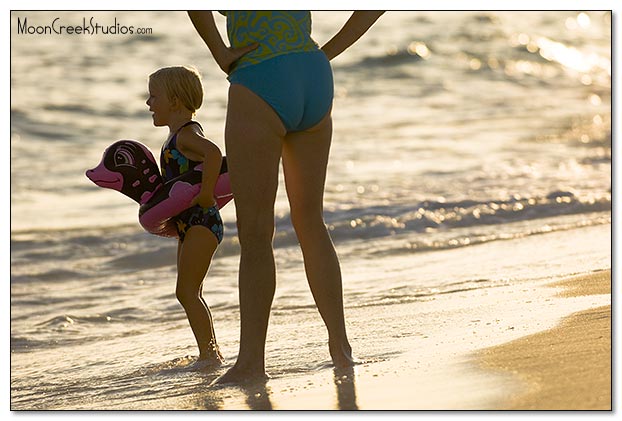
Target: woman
279	107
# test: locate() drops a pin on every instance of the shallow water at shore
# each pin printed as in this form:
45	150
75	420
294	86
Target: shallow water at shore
57	357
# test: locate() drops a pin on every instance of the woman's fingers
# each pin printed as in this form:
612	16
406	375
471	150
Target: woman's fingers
235	54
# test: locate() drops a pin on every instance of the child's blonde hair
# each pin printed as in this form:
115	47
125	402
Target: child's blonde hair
183	82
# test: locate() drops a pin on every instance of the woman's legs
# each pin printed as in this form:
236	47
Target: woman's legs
305	159
194	256
253	137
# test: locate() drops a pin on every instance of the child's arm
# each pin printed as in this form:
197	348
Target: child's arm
197	148
204	24
354	28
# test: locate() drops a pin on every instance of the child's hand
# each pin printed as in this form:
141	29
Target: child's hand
205	201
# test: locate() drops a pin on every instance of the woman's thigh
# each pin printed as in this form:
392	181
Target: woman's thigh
305	160
253	138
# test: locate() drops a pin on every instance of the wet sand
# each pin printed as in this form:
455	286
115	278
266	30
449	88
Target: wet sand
501	348
567	367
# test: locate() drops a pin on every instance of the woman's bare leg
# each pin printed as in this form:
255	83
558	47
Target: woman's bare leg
305	159
253	138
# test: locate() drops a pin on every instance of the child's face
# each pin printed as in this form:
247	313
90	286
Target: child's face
159	105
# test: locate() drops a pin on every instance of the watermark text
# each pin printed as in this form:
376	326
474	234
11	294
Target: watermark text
88	26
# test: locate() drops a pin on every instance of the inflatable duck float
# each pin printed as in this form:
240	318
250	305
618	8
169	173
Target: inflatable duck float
129	167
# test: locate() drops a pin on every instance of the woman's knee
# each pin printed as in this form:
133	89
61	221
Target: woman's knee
307	219
255	230
186	296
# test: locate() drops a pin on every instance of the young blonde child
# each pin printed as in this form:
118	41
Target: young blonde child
175	93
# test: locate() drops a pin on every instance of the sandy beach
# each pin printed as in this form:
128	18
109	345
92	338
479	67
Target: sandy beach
565	368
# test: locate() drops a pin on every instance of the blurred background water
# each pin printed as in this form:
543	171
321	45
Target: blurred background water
453	131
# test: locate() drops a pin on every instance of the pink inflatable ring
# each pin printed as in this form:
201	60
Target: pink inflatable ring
130	168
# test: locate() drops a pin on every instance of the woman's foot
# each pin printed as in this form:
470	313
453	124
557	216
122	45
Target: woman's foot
237	375
341	354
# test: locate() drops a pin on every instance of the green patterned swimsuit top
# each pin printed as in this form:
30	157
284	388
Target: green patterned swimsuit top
277	32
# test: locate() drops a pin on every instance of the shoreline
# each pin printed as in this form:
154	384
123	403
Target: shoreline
420	353
450	369
567	367
451	381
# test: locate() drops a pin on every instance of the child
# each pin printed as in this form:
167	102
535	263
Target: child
175	93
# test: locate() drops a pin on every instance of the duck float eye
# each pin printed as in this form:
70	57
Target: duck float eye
123	157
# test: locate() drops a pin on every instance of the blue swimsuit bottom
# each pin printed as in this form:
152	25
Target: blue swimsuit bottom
298	86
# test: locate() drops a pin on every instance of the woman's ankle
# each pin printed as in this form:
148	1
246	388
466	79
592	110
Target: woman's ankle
341	353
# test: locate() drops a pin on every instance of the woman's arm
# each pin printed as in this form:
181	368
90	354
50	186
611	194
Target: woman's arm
204	24
354	28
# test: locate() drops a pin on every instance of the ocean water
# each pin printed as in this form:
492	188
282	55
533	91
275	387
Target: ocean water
471	150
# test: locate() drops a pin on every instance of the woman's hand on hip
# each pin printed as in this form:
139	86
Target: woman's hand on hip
203	21
230	55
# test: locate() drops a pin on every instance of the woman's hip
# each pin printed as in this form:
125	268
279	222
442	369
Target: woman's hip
298	86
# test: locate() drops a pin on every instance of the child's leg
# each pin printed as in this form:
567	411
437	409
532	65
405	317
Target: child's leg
194	258
207	307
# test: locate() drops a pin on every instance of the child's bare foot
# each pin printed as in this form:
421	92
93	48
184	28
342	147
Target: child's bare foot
210	355
211	350
206	364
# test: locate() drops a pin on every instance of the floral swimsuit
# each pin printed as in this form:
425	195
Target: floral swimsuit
173	163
